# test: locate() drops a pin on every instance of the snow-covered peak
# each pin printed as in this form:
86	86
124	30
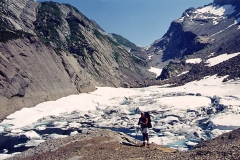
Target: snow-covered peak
218	10
208	12
211	11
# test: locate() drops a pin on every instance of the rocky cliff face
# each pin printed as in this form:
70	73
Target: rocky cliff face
49	50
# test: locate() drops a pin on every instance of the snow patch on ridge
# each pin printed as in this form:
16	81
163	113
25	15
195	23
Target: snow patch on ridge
157	71
194	61
218	59
218	10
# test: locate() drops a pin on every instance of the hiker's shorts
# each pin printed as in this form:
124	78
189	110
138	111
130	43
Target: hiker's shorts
144	130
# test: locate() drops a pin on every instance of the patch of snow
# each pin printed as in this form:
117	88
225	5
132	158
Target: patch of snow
217	132
225	121
215	22
230	101
194	61
211	54
147	48
74	133
181	19
184	102
157	71
32	135
183	73
40	128
190	143
1	129
5	156
150	57
60	124
218	10
55	136
34	143
17	131
218	59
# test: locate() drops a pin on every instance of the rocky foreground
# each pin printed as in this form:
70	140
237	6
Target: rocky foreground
106	144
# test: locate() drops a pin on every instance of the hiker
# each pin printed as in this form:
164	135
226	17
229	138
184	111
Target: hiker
143	121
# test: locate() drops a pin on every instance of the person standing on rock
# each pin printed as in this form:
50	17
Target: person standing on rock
143	121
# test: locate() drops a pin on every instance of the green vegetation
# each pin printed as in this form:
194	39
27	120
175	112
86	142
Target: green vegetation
123	41
112	41
98	34
116	56
136	59
171	67
76	34
47	22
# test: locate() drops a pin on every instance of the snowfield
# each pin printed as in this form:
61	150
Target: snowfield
157	71
218	59
218	10
194	61
181	116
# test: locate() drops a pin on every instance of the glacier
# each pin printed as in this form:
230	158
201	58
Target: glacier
181	116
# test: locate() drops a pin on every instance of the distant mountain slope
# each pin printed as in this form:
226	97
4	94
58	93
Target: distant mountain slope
49	50
123	41
212	28
201	33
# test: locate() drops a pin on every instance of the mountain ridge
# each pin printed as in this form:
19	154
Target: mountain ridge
52	50
203	33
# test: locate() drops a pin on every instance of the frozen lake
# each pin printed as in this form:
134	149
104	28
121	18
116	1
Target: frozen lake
181	116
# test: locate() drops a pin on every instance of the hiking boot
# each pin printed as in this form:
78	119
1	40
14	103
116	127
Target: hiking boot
148	145
143	144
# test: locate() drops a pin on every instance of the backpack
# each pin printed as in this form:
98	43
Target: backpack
147	115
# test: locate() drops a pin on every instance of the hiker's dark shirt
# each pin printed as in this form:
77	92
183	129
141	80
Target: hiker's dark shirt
143	120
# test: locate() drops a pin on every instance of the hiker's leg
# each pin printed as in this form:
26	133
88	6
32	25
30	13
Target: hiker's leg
143	140
147	138
144	137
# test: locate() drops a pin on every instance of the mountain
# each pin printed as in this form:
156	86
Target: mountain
50	50
212	28
203	33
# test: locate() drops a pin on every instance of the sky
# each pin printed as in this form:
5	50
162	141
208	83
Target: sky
140	21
